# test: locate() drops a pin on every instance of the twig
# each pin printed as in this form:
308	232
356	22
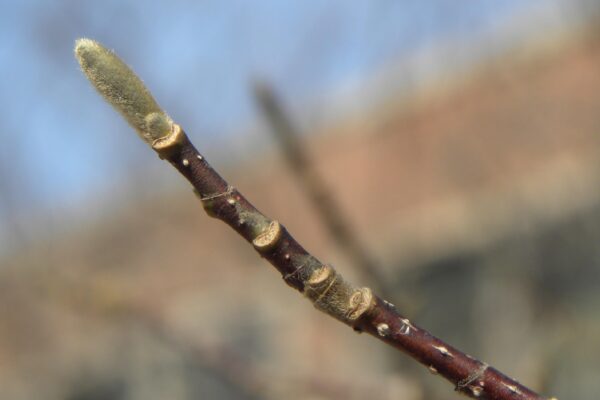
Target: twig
315	187
320	283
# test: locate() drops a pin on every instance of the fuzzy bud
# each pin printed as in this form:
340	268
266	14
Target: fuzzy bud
121	87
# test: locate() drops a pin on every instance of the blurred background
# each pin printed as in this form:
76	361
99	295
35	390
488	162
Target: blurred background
457	142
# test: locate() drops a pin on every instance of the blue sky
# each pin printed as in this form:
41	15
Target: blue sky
61	144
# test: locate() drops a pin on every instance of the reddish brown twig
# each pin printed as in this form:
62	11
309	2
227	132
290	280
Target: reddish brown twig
320	283
356	307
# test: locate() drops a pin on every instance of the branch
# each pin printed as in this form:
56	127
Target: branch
315	187
320	283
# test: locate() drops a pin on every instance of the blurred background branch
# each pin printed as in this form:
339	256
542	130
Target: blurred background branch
329	212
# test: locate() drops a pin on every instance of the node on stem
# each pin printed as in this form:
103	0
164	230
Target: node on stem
331	294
